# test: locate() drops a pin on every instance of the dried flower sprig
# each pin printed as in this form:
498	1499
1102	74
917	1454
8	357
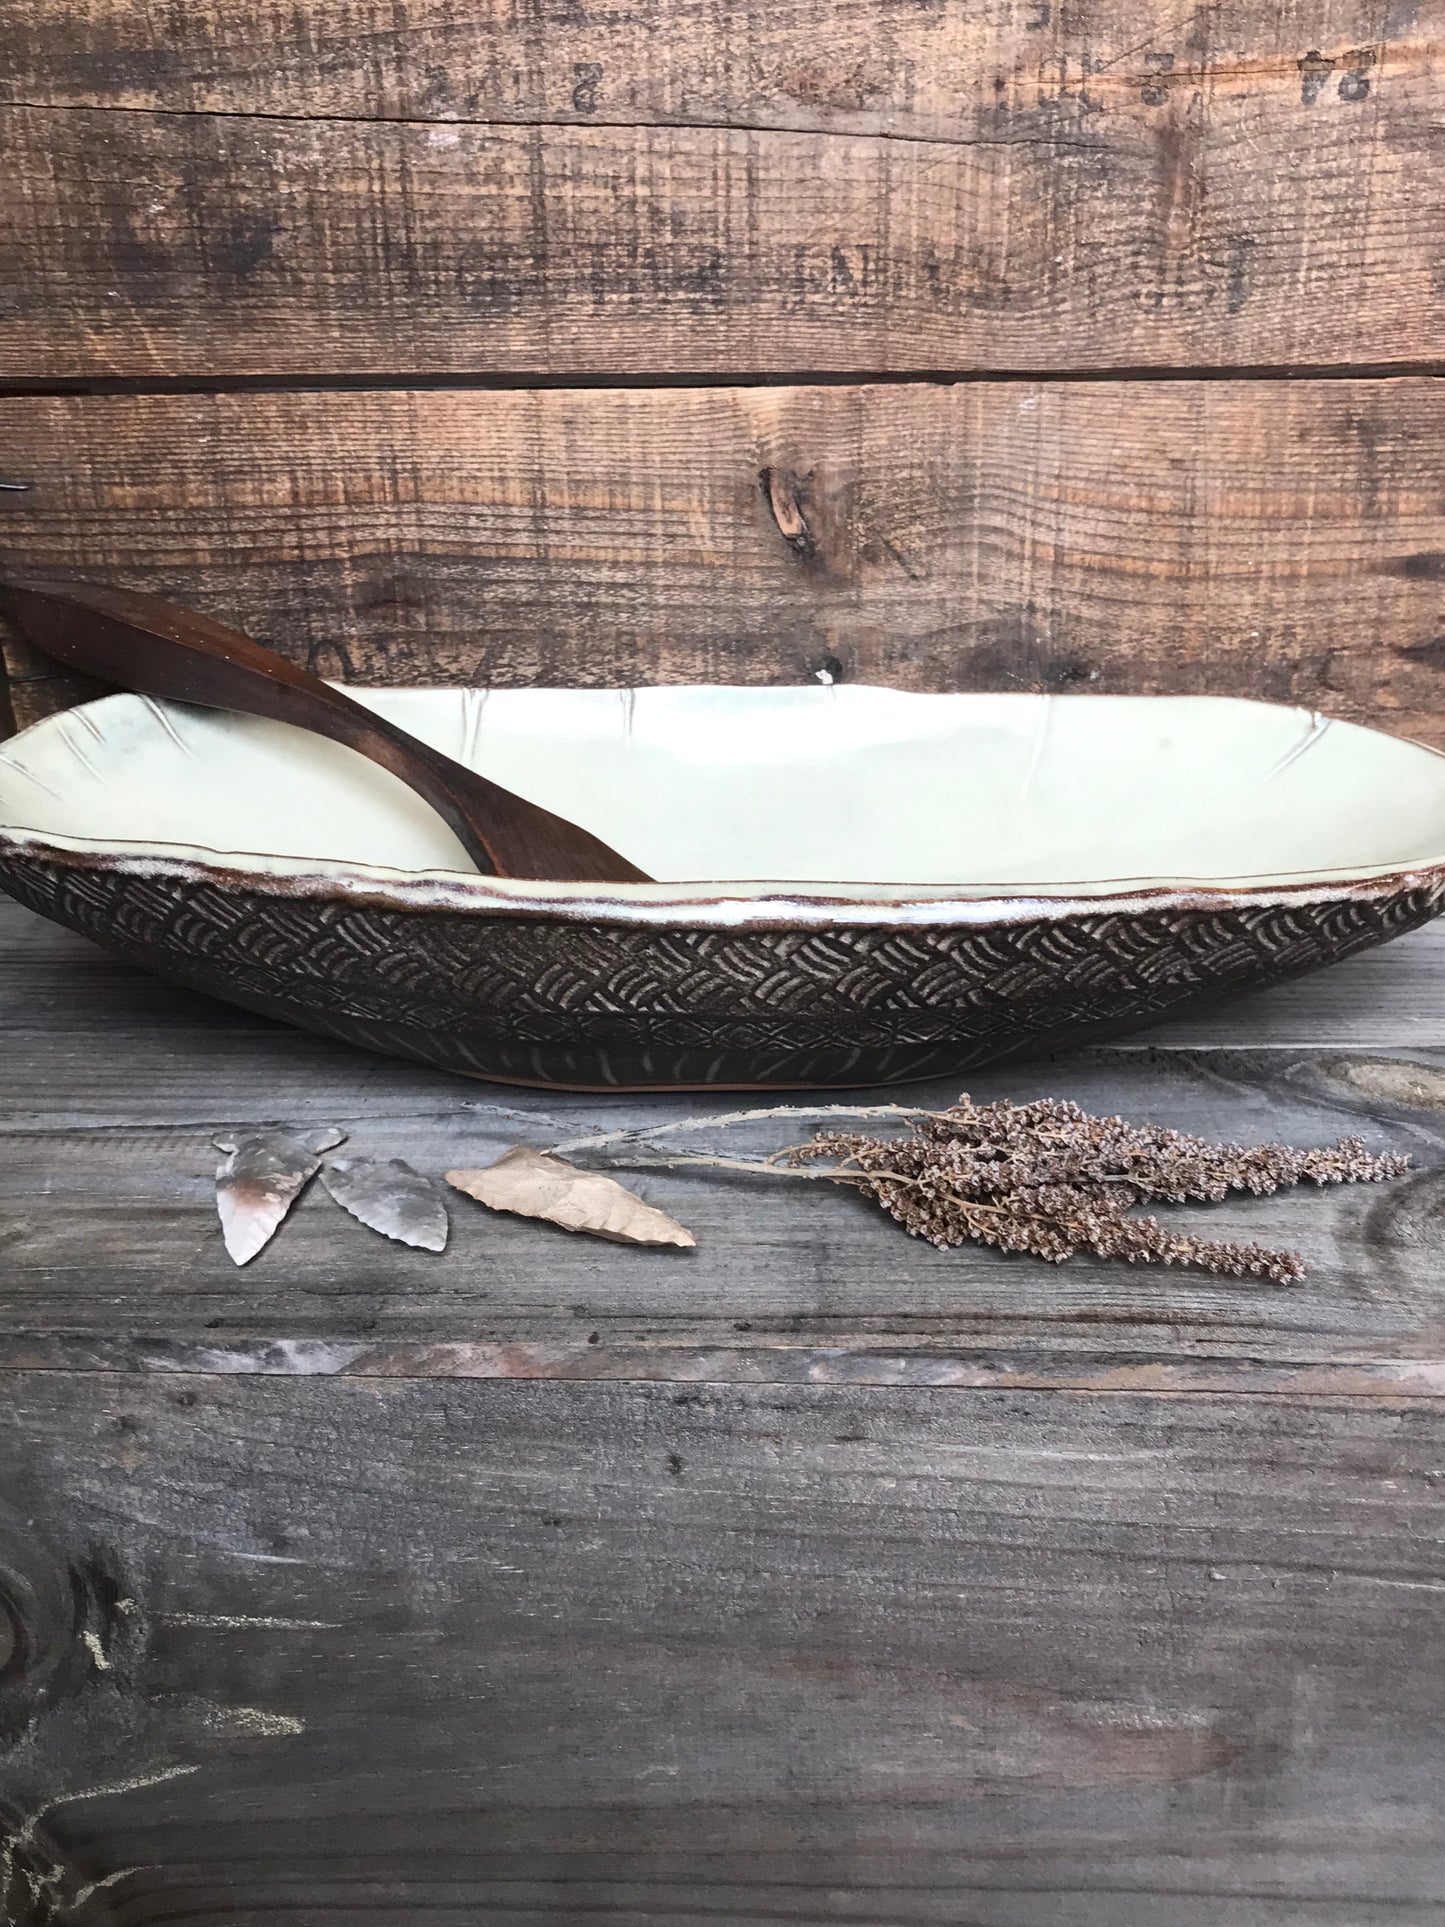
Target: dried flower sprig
1050	1179
1047	1178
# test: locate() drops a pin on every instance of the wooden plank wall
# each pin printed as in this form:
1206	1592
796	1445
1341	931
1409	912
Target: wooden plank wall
1020	344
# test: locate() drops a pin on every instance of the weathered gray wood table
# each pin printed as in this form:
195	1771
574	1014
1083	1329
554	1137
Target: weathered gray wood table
813	1576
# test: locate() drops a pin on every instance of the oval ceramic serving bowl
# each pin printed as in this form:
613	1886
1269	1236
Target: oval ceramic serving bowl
913	884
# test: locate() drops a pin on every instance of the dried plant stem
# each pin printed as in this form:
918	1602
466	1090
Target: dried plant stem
644	1134
759	1167
834	1174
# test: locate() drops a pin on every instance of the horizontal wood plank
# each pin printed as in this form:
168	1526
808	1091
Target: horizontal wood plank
114	1084
1283	540
1253	200
757	1656
993	70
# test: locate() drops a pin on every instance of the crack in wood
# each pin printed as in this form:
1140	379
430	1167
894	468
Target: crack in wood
1054	143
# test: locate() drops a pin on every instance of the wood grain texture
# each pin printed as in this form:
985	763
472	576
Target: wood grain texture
874	188
761	1656
114	1083
1281	540
926	72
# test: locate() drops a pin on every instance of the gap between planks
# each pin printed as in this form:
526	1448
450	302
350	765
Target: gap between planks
122	386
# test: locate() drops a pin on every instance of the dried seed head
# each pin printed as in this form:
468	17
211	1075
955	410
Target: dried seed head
1050	1179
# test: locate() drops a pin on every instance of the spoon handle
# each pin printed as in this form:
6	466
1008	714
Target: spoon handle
155	648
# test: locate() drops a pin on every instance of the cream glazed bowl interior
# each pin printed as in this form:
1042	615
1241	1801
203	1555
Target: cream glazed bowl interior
855	885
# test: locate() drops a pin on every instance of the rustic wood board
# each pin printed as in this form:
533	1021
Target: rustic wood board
1279	540
925	72
761	1655
1238	186
114	1083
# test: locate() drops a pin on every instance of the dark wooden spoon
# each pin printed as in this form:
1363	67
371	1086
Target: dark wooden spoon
141	643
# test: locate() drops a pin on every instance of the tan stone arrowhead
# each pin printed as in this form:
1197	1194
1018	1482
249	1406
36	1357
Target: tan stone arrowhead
537	1185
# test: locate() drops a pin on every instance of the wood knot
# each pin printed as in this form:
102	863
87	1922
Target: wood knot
60	1624
786	496
1408	1217
1395	1081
